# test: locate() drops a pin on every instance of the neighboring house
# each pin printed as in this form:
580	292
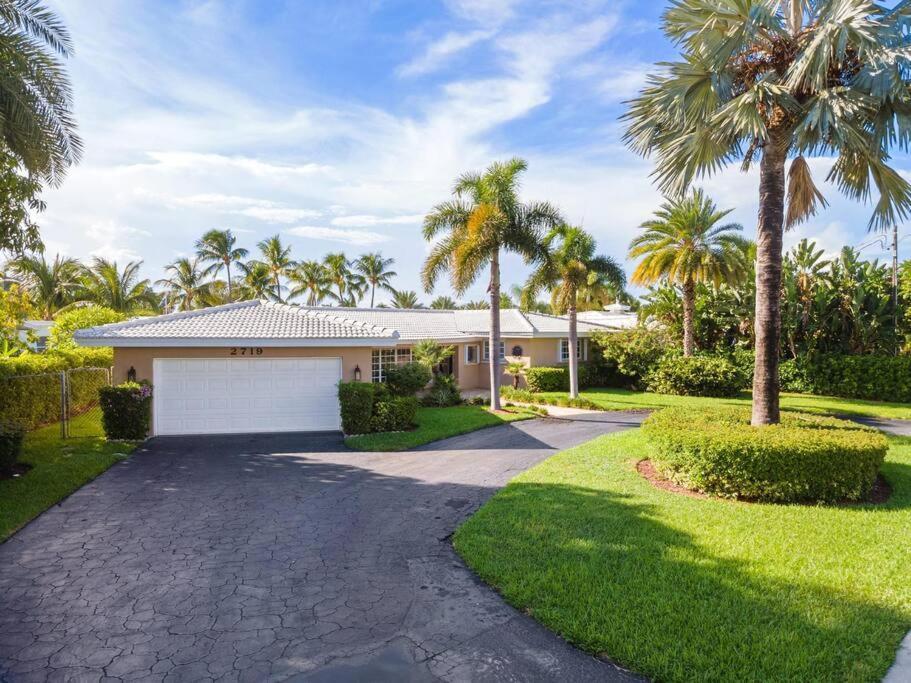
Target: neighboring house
616	316
258	366
34	334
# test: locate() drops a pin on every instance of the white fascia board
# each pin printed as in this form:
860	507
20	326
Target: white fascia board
218	342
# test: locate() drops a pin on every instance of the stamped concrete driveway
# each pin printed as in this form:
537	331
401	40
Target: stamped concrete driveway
266	558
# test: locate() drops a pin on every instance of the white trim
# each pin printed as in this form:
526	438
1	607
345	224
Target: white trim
221	342
477	354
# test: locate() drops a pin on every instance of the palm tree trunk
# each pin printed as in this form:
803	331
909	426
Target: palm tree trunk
372	293
228	268
689	317
494	340
768	280
573	341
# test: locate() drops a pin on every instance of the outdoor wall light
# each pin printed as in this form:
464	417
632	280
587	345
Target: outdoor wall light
131	374
357	373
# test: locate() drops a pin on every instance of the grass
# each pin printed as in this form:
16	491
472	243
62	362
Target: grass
681	589
623	399
59	467
434	424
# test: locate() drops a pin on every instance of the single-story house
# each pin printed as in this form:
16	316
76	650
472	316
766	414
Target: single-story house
618	316
35	333
258	366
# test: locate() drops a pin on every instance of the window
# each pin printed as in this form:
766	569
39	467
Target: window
487	350
471	354
386	358
564	350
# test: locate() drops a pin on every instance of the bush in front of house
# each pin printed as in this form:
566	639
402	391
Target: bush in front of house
443	392
356	401
11	438
407	379
806	458
395	414
631	354
696	376
126	410
525	396
542	378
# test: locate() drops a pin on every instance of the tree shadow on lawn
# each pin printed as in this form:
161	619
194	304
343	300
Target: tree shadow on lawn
605	573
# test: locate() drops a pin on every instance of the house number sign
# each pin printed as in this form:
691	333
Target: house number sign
246	351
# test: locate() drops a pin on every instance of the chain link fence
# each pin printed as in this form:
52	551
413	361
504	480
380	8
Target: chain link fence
68	399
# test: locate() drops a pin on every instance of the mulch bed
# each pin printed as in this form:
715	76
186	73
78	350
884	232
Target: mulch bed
878	495
17	470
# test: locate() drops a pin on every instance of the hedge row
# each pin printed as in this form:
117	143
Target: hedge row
805	458
369	408
877	378
546	378
30	384
126	410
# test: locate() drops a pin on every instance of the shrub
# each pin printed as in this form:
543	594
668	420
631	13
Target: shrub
11	437
877	378
632	354
443	392
80	318
356	401
792	376
407	379
125	410
696	376
525	396
805	458
547	379
394	415
744	360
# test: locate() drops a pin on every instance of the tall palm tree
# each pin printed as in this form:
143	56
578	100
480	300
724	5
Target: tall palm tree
405	299
310	278
373	268
103	283
36	100
780	80
50	286
277	258
444	303
350	286
570	264
186	286
686	244
484	218
257	281
217	247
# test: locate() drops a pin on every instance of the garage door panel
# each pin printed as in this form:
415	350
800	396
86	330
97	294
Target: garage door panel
208	396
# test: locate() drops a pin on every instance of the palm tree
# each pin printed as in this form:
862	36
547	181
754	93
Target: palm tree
50	286
217	247
311	279
515	369
405	299
444	303
569	265
373	267
36	99
479	305
685	244
186	286
776	80
350	286
257	281
103	283
277	258
483	219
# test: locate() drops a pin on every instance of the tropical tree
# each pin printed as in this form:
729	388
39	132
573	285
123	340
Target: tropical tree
686	243
349	286
217	247
773	81
569	264
431	354
103	283
185	285
375	271
36	100
483	219
257	281
479	305
444	303
310	278
277	259
405	299
50	285
20	202
515	369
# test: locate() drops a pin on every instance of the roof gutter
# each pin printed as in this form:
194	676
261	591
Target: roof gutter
227	342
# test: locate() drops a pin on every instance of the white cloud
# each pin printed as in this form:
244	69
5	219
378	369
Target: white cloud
367	220
626	82
196	162
436	54
484	11
221	201
356	237
279	214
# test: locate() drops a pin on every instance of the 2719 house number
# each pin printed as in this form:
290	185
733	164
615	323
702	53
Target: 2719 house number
246	351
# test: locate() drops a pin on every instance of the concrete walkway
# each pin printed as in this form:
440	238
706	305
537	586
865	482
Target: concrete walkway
267	558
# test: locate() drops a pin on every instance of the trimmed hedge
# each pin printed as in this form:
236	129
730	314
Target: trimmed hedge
875	378
394	415
806	458
696	376
356	400
547	379
30	384
370	408
407	379
525	396
11	438
126	410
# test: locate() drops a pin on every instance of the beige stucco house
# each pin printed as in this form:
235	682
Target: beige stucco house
258	366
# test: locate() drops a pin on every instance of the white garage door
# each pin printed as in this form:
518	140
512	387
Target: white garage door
240	395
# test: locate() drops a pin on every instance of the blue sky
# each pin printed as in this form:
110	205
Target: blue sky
338	124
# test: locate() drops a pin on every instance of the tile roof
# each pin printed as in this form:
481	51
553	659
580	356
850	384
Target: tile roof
265	322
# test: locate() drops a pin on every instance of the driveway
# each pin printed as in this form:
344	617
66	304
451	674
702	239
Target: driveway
270	557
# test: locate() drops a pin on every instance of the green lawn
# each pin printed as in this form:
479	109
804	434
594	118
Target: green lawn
435	424
684	589
623	399
58	468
